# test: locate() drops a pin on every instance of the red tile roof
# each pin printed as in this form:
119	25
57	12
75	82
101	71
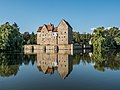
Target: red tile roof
55	29
49	27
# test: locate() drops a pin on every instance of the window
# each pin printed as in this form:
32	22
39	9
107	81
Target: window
65	32
64	36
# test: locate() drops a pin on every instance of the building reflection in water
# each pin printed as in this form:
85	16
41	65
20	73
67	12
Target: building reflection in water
61	61
48	61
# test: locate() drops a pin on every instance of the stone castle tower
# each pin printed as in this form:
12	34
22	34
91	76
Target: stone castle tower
50	35
64	33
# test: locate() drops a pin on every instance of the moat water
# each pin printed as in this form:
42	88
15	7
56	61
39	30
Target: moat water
60	71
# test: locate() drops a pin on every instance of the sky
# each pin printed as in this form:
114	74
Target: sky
81	14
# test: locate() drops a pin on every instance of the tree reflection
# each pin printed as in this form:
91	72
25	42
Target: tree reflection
29	58
10	63
106	60
62	62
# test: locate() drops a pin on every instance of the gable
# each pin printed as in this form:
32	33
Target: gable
63	74
44	29
64	24
44	68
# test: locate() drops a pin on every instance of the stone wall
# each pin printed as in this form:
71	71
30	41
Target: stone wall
62	33
39	47
49	47
65	46
68	52
57	47
30	47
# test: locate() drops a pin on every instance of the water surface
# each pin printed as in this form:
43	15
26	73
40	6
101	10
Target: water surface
60	71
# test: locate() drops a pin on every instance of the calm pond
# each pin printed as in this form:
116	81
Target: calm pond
60	71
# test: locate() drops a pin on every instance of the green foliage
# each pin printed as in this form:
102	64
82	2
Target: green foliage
76	37
9	64
29	38
10	37
81	38
103	38
8	70
106	60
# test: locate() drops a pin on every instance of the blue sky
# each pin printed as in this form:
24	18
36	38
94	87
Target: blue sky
81	14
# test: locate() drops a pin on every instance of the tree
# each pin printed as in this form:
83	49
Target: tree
115	34
26	37
98	38
76	37
33	38
81	38
29	38
103	38
10	37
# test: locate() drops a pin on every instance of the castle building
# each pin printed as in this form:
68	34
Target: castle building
50	35
53	38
